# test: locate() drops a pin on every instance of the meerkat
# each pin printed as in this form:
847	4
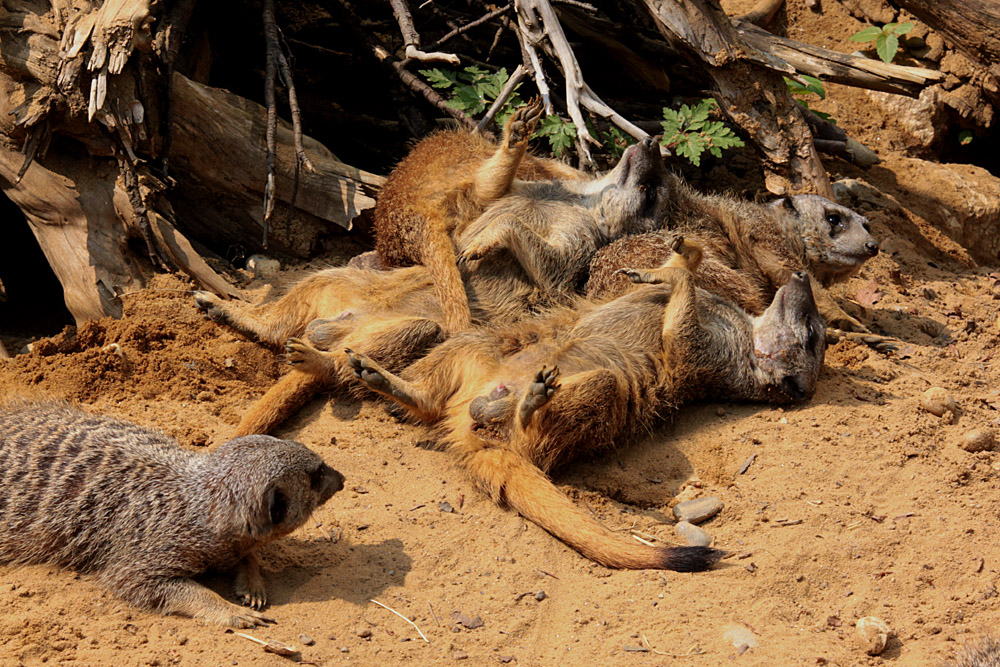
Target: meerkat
984	653
512	403
445	182
528	252
751	249
131	506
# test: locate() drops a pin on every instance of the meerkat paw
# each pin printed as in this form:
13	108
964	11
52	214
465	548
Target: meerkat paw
367	370
249	585
211	305
874	341
299	352
687	254
539	393
522	124
635	275
845	322
243	617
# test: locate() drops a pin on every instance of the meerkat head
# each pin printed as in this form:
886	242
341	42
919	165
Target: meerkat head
837	240
274	484
789	343
636	192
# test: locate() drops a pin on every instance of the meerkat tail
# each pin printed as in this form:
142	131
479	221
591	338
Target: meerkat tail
526	489
288	394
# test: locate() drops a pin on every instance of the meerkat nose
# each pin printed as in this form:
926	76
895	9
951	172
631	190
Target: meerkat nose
871	248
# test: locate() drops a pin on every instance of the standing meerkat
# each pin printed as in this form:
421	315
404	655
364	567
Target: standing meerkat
514	402
750	249
128	504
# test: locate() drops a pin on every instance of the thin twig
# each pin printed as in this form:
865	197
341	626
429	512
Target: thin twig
270	133
512	83
404	618
436	621
671	655
157	256
469	26
412	39
646	542
422	88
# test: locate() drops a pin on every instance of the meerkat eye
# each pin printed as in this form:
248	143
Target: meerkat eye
867	227
316	478
834	219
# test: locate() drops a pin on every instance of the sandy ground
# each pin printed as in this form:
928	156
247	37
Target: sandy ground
856	503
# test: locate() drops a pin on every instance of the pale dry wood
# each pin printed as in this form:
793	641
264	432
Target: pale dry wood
411	38
541	27
845	68
968	25
765	110
217	138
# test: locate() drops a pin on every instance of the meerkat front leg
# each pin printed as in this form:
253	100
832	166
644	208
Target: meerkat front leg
408	394
494	178
249	585
542	261
687	257
831	311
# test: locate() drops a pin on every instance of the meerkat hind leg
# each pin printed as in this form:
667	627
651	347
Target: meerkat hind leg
539	393
383	382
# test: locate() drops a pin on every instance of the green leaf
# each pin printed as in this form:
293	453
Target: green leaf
438	78
815	86
965	137
471	101
886	47
903	28
825	116
692	146
866	34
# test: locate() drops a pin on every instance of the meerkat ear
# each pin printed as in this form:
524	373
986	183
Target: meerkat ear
788	204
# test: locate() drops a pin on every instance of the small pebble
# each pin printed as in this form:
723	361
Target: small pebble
263	267
873	633
978	440
362	632
697	511
938	402
306	640
692	534
460	655
540	595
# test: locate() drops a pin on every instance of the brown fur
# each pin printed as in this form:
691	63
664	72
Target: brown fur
984	653
751	249
391	315
444	183
500	407
527	253
144	515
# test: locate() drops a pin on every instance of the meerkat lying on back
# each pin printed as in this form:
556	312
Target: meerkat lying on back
529	251
750	249
107	497
513	402
456	198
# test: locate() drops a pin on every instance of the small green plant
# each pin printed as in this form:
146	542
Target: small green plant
886	38
801	93
560	133
965	137
689	132
615	141
473	89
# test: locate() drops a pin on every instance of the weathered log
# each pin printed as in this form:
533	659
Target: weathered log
218	151
968	25
765	111
838	67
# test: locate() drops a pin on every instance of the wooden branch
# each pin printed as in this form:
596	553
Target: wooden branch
515	78
844	68
216	136
418	86
540	25
472	24
765	110
968	25
412	39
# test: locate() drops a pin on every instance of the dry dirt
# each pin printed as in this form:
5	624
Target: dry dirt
856	503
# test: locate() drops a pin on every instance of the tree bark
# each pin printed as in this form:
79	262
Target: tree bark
971	26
